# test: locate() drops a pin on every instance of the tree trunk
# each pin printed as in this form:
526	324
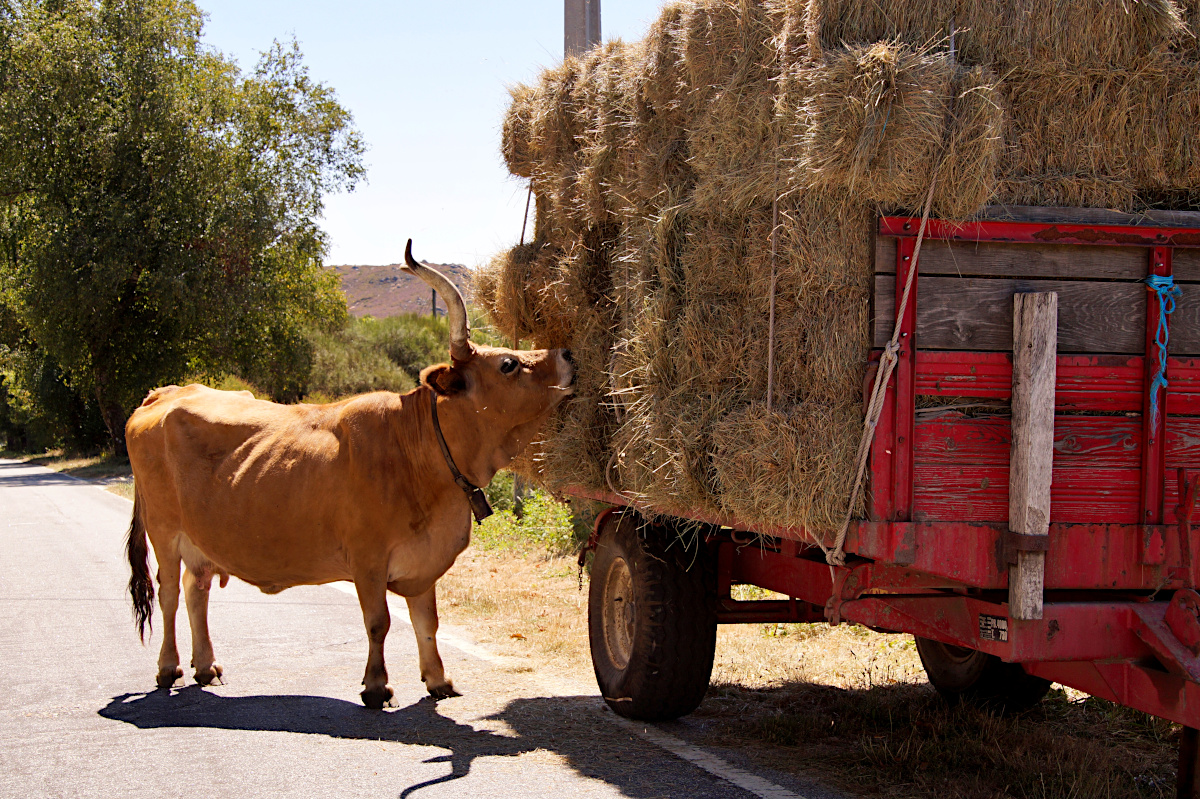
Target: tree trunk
114	419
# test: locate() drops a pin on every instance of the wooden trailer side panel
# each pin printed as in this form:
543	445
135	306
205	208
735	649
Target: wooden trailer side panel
1108	466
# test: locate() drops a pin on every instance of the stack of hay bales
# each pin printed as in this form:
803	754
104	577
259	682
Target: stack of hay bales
737	157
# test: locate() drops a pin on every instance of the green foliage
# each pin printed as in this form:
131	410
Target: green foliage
40	411
499	492
158	209
371	354
545	528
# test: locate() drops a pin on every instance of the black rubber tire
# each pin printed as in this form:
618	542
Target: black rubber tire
984	680
652	621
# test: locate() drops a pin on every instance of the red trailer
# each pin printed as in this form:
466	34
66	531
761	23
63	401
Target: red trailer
1120	612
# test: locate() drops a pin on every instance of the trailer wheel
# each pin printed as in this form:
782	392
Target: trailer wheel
652	625
966	674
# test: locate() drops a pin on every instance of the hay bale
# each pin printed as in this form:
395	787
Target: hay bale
967	169
1005	33
726	42
660	77
523	294
516	139
605	104
1109	138
787	466
731	56
727	142
873	122
663	453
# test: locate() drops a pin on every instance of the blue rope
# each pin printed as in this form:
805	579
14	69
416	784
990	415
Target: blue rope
1168	292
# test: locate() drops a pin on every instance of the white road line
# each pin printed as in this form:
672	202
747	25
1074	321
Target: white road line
717	766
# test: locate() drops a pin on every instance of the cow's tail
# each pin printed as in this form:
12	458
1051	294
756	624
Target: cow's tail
141	587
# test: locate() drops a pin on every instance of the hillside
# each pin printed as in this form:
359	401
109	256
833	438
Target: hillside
386	290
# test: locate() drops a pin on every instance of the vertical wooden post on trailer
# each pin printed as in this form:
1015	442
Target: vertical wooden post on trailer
1031	459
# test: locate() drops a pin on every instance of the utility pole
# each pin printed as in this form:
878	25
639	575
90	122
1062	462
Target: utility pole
581	28
433	304
581	32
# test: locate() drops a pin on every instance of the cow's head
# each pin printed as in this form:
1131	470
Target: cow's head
499	397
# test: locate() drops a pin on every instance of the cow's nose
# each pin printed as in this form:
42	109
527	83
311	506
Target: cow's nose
567	357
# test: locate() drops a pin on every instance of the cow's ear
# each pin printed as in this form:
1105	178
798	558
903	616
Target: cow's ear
444	379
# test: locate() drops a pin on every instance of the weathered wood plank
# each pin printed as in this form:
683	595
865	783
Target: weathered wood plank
1079	441
1031	457
1183	444
1185	322
975	314
1085	382
968	259
885	254
1185	264
1088	216
980	494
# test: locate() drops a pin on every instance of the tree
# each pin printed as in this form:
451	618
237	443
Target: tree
158	209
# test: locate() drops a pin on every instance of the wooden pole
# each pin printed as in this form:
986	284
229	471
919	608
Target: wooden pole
433	304
1031	460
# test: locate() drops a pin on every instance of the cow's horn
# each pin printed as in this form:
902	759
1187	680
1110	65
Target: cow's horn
456	309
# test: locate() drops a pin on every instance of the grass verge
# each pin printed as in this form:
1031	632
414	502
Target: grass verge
106	469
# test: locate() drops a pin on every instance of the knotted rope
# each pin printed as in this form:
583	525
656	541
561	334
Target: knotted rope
836	555
1164	286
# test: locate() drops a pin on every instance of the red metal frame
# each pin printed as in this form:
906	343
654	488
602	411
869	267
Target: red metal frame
1154	449
1042	232
931	558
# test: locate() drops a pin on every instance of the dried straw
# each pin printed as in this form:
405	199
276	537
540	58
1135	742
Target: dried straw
1006	33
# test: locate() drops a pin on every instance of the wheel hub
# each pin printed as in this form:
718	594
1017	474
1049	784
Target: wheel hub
619	613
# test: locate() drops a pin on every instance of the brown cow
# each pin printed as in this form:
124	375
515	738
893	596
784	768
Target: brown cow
362	490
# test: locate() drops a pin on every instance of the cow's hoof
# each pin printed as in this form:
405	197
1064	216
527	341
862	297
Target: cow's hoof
379	698
211	675
444	691
168	677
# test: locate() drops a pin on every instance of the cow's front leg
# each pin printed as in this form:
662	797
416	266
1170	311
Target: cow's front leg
423	611
372	596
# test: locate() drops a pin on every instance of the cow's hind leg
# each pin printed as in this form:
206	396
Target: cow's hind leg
372	597
196	591
423	611
168	601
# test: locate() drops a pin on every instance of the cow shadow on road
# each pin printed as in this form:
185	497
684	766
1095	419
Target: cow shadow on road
570	726
418	724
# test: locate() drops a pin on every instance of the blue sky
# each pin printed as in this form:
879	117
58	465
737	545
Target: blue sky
427	84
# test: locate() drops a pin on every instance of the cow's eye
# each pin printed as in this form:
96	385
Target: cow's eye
508	366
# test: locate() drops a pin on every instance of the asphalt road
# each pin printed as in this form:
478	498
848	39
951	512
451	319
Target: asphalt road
79	715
